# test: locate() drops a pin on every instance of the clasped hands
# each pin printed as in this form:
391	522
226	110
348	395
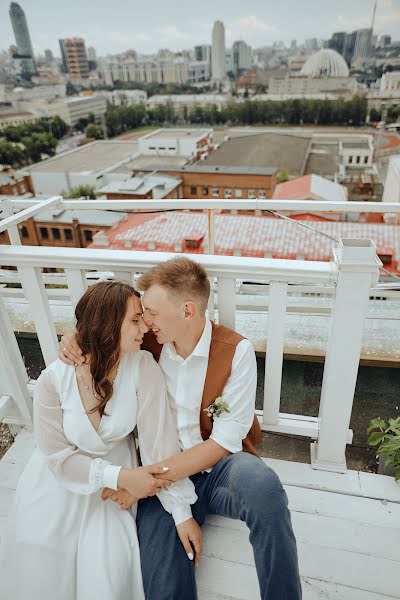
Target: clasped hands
143	482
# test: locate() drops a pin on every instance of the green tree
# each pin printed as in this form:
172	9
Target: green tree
12	154
94	131
38	144
88	191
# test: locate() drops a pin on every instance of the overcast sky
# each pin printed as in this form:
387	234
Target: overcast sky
113	26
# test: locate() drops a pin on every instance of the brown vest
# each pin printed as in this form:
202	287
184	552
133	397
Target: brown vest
222	351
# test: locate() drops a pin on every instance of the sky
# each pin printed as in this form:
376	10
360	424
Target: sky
117	25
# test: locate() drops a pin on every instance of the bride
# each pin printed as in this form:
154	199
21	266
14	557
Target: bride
64	541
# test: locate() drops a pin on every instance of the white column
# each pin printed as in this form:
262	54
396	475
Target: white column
35	293
13	376
227	301
274	352
77	284
358	271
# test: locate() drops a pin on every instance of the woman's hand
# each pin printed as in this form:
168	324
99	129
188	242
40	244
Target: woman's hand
69	351
141	483
123	497
190	535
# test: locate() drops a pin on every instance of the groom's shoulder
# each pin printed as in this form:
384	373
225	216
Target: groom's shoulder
224	335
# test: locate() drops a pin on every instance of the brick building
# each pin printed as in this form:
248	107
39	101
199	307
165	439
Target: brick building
14	184
59	227
203	181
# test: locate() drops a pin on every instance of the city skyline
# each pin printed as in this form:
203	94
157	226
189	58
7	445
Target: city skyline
257	24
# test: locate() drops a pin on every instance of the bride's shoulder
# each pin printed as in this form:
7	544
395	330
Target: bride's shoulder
147	364
56	370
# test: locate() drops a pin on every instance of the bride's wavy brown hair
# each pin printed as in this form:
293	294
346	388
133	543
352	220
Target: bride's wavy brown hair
99	316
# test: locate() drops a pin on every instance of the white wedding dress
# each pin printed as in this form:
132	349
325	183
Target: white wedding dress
63	541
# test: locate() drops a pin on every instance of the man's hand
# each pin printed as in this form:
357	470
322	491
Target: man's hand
69	351
140	482
123	497
190	535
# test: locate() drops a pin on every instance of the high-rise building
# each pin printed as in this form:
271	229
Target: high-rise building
348	46
218	68
92	58
74	57
202	53
337	41
363	45
48	57
293	44
241	57
23	39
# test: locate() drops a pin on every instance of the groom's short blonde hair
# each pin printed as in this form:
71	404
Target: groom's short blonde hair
183	278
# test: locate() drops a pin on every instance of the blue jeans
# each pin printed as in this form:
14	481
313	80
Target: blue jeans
240	486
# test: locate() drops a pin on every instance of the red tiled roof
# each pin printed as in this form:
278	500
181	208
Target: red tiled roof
293	188
252	236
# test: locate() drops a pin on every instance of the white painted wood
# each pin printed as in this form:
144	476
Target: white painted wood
274	352
13	376
124	276
238	267
226	204
357	268
77	284
35	293
211	300
226	301
29	212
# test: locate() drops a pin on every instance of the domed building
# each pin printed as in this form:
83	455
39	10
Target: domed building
325	63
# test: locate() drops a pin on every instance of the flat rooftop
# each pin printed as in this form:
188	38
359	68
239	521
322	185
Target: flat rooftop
153	163
279	151
177	133
209	169
87	159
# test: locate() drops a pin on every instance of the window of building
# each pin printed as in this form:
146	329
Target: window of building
365	160
238	192
44	233
88	235
24	232
193	190
252	193
228	192
56	233
350	159
215	192
261	194
358	160
205	191
68	234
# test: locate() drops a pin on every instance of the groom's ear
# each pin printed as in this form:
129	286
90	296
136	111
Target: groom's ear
189	309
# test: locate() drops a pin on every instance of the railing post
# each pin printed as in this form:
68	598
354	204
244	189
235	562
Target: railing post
227	301
77	284
274	352
35	293
13	376
358	271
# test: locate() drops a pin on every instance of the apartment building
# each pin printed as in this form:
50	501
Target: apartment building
74	57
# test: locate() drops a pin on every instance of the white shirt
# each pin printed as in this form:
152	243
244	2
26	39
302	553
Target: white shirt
185	382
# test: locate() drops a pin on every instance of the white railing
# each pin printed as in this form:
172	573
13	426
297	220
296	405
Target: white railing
349	278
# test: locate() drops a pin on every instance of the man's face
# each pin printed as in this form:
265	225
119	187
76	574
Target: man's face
163	314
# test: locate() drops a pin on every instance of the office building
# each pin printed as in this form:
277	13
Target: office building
218	68
241	57
23	40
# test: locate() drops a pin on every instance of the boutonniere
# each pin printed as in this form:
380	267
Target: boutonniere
216	409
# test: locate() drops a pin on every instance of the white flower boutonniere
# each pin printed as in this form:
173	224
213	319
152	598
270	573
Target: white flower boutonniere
216	409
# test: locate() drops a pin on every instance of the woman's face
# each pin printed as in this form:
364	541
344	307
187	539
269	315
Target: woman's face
133	327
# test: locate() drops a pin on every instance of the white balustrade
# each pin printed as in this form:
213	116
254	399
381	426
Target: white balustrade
354	273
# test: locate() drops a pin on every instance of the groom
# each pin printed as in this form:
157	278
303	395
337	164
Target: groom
201	362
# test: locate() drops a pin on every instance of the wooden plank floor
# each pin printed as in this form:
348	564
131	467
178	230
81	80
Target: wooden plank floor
347	529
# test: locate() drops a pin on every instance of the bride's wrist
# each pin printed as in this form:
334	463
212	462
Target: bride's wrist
123	478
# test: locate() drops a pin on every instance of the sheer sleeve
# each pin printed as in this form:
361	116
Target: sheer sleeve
74	469
158	437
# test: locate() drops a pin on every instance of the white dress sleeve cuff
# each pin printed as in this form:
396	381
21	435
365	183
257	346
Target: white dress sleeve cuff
181	513
110	476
